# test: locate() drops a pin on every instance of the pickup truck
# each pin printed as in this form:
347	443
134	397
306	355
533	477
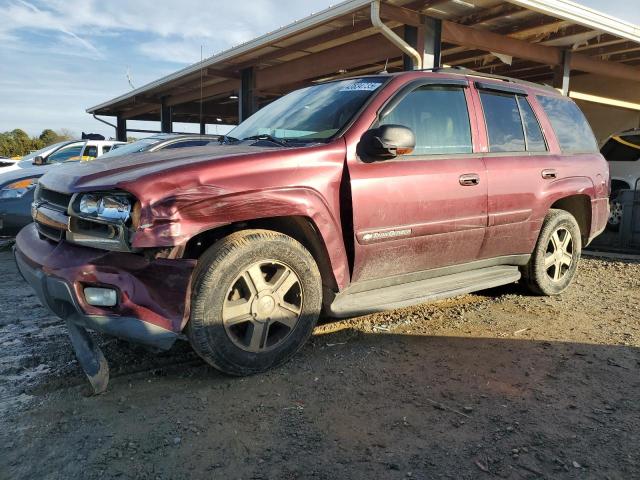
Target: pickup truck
343	198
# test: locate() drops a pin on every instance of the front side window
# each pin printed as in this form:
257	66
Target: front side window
504	124
90	152
439	119
570	125
72	152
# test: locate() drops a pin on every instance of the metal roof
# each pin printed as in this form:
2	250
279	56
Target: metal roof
344	32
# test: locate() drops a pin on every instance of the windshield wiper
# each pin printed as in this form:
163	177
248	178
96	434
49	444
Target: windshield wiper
266	136
228	139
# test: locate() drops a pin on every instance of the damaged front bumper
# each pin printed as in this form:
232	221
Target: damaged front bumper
152	305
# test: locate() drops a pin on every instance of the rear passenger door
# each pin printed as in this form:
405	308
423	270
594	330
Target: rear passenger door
427	209
517	159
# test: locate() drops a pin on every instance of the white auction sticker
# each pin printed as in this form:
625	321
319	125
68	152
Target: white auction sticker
361	87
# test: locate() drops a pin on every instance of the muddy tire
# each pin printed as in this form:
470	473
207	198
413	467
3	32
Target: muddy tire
555	259
256	298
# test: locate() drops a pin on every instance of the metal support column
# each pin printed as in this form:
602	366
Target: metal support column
247	103
203	128
427	40
562	73
411	37
121	129
166	122
432	43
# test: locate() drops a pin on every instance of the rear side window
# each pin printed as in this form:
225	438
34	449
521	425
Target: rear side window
188	143
622	148
533	132
105	149
438	117
572	129
504	123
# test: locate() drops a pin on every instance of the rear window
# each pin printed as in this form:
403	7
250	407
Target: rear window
572	129
622	148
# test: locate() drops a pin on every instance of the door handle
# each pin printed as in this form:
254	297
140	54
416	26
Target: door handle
469	179
549	174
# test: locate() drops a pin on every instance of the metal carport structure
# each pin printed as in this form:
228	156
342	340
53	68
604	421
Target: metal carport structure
591	56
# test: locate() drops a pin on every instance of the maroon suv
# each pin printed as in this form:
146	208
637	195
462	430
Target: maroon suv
348	197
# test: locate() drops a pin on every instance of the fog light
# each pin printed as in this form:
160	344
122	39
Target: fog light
101	297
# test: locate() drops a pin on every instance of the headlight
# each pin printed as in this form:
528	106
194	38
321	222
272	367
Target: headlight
18	189
106	207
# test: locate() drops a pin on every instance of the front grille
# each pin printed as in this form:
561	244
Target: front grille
51	215
50	232
56	200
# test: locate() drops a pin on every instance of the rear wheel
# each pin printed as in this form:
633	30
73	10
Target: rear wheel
615	212
255	301
554	262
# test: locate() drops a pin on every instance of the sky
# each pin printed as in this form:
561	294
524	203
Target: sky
59	57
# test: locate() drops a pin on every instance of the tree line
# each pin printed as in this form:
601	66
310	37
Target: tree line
18	143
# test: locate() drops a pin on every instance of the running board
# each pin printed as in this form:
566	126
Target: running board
348	304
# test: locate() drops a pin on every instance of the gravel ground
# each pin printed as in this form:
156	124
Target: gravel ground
497	384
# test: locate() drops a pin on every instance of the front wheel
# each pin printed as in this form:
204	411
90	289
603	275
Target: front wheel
256	298
554	262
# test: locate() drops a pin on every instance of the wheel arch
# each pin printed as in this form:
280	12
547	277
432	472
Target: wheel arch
579	206
298	227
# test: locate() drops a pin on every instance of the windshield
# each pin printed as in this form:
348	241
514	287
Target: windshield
28	159
135	147
311	114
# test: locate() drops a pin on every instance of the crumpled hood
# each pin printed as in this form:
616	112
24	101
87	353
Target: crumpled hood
110	172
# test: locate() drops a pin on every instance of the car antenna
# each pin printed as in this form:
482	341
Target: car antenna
201	80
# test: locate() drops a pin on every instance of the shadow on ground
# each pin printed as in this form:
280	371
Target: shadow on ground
350	405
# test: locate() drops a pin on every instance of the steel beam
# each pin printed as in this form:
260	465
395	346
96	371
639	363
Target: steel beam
166	122
247	102
121	129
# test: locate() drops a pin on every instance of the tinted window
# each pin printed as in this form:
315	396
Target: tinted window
188	143
623	148
64	154
534	137
91	152
438	117
105	148
504	124
572	129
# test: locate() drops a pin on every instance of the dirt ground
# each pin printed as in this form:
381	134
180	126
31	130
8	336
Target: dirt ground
498	384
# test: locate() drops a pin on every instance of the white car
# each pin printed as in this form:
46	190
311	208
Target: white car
62	152
622	151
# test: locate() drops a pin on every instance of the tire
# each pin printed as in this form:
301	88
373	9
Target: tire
615	212
256	298
548	272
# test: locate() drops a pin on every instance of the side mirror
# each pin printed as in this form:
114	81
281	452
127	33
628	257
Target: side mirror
39	160
387	141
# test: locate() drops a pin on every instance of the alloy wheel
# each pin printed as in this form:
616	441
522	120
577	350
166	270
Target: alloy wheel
559	255
263	306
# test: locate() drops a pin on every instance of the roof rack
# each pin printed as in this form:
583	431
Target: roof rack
474	73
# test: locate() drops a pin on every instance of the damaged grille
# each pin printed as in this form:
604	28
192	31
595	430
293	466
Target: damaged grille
56	200
50	213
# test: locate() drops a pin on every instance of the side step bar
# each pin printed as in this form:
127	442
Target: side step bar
398	296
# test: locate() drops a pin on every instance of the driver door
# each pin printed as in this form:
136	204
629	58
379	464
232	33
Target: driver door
425	210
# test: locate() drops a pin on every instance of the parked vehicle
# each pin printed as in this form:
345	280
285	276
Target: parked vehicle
17	185
166	140
348	197
16	188
622	151
7	162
